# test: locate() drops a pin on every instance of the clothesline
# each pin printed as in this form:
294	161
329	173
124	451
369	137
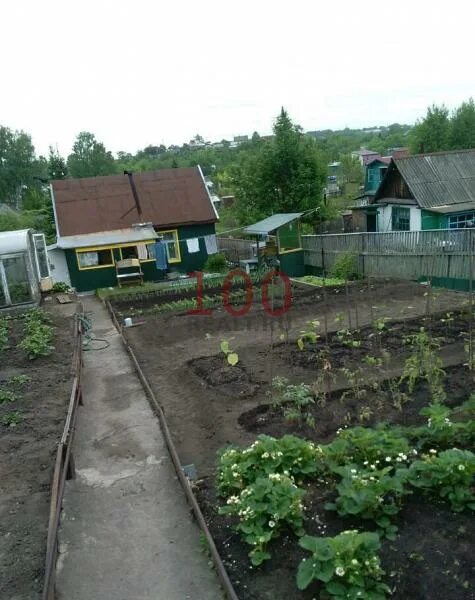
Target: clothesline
234	229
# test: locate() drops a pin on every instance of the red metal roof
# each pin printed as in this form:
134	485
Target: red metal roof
167	197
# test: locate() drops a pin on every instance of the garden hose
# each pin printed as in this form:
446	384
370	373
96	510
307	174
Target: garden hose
85	320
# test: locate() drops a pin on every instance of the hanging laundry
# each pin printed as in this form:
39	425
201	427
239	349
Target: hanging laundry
161	256
211	244
142	251
193	245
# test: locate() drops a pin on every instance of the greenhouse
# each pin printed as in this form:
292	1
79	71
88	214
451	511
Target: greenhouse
23	264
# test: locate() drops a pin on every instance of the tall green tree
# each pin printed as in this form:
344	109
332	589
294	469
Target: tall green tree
284	174
57	166
432	133
90	157
18	165
462	126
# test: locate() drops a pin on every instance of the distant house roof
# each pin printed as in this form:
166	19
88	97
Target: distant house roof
168	197
382	159
437	180
108	238
271	223
364	152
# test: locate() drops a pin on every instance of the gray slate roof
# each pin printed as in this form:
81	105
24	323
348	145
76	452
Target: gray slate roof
271	223
440	179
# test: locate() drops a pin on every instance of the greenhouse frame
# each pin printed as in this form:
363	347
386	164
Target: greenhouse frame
23	265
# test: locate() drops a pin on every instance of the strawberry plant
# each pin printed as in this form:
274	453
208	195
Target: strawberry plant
449	474
372	494
264	509
290	456
348	565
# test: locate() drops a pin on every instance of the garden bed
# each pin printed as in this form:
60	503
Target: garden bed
209	405
32	416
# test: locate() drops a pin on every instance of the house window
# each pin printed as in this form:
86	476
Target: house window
400	217
129	252
91	259
462	221
170	239
382	173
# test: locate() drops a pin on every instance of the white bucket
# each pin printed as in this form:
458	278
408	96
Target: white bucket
128	322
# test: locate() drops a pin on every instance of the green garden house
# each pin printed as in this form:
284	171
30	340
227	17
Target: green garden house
420	192
104	222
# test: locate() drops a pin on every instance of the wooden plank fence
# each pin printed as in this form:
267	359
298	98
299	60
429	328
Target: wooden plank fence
236	249
444	253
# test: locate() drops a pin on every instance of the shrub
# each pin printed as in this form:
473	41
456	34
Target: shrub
347	564
346	267
441	431
264	509
449	474
216	263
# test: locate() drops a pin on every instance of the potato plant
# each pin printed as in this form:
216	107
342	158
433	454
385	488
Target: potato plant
39	334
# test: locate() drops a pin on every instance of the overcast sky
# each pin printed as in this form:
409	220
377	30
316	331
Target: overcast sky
142	72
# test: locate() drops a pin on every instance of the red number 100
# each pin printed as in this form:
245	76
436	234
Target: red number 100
240	312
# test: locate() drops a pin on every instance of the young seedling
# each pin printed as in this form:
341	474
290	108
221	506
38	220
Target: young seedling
231	357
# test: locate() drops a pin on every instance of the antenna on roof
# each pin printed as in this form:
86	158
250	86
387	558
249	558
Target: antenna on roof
134	194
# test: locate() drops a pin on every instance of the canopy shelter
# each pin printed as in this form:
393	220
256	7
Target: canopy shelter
285	226
286	229
23	265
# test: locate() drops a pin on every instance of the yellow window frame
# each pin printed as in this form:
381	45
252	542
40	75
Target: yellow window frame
177	244
110	248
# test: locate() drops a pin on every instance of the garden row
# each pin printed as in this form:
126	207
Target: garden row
35	359
368	471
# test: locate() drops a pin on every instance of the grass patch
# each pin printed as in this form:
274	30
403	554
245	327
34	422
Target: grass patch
320	281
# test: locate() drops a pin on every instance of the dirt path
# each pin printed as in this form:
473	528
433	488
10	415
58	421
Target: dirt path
126	531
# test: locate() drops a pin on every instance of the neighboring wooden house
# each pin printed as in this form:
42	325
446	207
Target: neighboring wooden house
102	220
424	191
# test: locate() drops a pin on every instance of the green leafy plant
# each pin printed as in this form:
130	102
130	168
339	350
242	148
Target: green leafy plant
346	267
265	508
309	335
423	363
347	338
290	455
19	380
449	474
216	263
3	334
348	565
373	494
293	400
366	447
357	379
231	357
12	419
7	396
60	287
38	340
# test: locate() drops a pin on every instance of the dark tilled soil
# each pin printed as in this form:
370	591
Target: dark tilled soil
206	410
28	454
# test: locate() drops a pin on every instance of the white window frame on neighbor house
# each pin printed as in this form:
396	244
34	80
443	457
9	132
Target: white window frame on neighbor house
460	221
